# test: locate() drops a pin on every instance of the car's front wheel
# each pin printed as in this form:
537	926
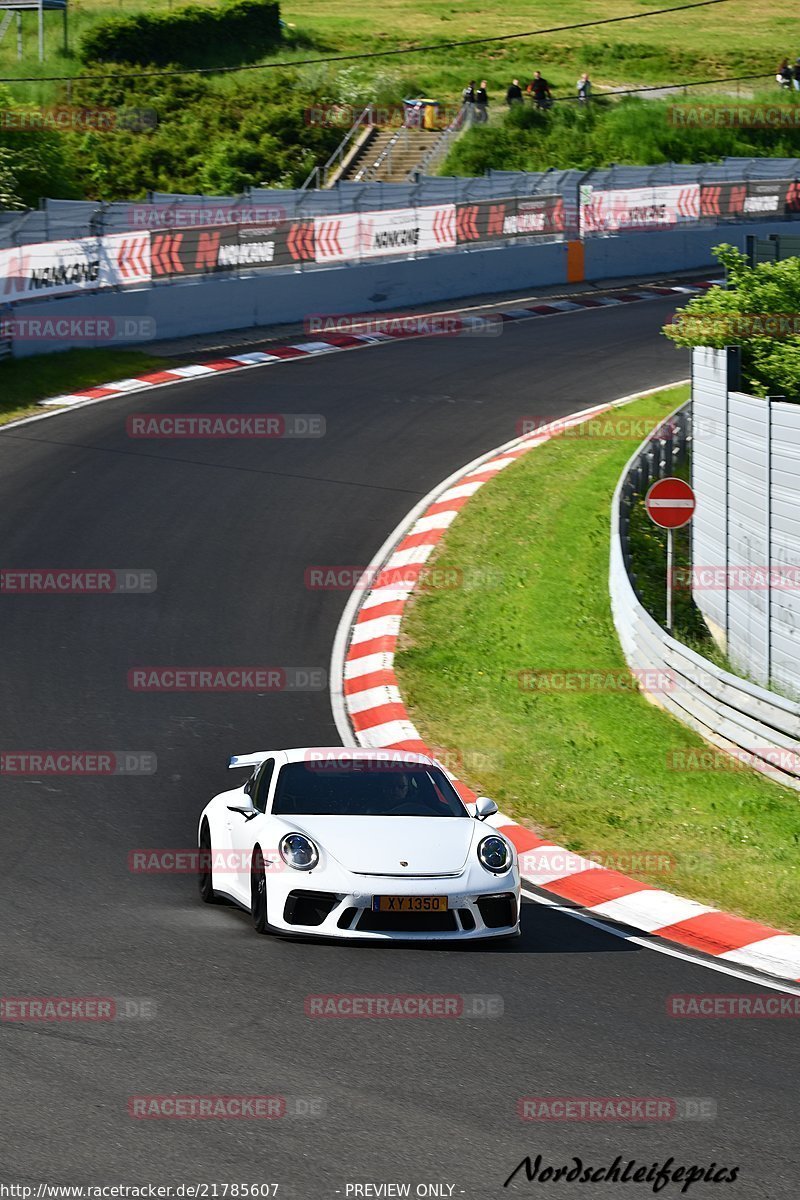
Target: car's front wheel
258	892
205	877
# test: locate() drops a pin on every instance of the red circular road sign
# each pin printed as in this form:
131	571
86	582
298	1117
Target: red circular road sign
670	503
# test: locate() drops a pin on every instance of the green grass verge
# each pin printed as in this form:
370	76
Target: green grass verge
589	769
23	381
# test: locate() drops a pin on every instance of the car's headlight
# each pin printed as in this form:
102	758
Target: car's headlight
299	852
494	854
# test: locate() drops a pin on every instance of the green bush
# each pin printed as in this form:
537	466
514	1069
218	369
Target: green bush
604	132
244	30
217	136
723	317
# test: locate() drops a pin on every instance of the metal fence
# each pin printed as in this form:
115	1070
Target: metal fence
746	559
720	198
758	727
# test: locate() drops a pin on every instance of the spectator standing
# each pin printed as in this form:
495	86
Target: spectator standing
796	76
584	86
468	100
540	90
514	93
482	104
784	76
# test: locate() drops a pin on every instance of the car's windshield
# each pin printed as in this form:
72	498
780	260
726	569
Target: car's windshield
362	790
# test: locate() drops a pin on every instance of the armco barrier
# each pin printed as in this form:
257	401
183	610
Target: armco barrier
742	719
224	301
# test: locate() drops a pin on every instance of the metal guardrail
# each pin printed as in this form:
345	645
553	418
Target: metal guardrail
319	175
757	726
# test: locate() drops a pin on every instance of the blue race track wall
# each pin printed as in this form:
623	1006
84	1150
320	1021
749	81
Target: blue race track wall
215	303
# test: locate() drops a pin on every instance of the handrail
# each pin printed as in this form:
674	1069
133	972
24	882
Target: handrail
363	118
367	174
441	144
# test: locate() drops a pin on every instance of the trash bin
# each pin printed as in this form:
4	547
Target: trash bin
421	113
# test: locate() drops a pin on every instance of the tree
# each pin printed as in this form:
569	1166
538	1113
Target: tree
759	311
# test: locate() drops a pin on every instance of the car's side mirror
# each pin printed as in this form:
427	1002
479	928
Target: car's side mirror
247	813
484	807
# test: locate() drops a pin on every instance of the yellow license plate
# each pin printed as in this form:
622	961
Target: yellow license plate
401	904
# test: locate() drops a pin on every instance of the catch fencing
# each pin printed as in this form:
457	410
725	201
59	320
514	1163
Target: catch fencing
759	728
170	238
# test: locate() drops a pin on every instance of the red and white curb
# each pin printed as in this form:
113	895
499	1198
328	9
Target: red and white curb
369	710
331	342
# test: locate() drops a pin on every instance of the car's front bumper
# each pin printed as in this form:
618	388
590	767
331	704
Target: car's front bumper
476	909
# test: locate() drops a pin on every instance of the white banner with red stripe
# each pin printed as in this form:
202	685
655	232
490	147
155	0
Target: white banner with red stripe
639	208
42	269
393	232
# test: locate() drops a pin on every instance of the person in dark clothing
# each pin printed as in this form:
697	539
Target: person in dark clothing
482	104
540	90
784	76
514	93
796	76
468	101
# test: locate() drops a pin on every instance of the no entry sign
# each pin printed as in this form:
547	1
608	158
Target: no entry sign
670	503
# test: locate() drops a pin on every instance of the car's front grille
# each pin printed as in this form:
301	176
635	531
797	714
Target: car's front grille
467	919
408	922
307	908
498	911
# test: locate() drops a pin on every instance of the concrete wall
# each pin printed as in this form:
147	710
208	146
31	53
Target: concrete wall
221	302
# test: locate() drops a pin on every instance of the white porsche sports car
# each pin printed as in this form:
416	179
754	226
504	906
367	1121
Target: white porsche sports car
357	844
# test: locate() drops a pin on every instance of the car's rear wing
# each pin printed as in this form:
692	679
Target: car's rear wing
248	760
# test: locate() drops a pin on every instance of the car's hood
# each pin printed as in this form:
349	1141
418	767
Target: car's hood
381	845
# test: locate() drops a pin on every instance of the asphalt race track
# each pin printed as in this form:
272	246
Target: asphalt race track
230	528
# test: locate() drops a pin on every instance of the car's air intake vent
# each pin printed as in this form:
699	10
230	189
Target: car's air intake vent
346	919
498	911
308	908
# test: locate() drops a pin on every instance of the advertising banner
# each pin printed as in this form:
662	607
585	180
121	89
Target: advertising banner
639	208
43	269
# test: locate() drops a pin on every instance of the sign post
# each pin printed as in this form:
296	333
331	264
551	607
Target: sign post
670	504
